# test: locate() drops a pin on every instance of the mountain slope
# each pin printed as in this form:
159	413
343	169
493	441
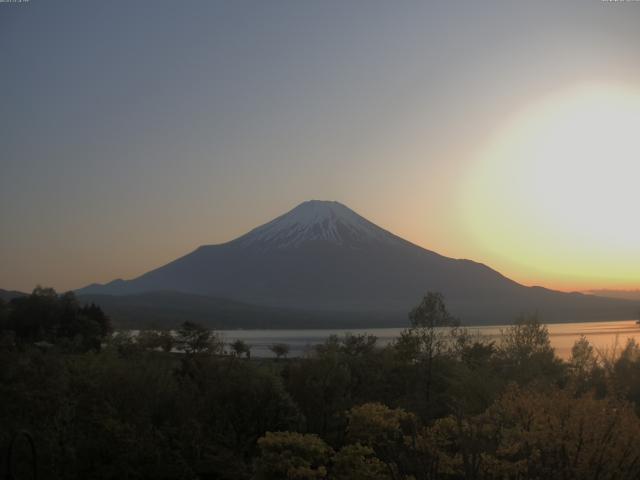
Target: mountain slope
169	309
322	256
8	295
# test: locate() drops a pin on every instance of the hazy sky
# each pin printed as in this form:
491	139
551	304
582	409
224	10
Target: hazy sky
133	131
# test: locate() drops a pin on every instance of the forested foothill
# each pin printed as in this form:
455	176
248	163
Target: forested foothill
438	403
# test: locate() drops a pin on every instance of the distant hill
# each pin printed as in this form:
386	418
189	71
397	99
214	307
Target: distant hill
324	258
7	295
169	309
625	294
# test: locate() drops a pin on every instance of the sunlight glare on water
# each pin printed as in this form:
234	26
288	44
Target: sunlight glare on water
604	336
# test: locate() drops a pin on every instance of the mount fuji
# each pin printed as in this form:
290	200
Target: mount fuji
322	257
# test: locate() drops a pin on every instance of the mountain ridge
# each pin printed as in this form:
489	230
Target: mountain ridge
323	256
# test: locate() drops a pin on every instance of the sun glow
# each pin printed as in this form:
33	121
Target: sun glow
556	191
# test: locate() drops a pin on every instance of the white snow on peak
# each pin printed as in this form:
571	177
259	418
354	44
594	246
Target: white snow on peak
317	220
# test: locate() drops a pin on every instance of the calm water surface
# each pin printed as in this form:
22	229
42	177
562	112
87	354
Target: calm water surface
602	335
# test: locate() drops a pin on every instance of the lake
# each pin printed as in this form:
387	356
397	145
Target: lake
602	335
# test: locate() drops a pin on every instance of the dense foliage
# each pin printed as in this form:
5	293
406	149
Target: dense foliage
438	403
48	319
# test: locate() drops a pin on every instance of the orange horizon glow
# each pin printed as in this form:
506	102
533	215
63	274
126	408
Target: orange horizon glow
551	199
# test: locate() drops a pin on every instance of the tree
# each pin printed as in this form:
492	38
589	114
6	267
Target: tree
625	373
525	338
431	312
240	347
4	314
469	376
389	432
7	335
45	316
193	338
554	435
374	424
528	433
320	386
167	342
148	340
459	445
582	364
427	337
154	340
280	350
357	462
358	345
124	343
230	405
94	313
291	455
35	317
526	352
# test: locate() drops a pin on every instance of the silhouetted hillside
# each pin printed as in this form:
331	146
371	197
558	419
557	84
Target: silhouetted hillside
7	295
169	309
323	257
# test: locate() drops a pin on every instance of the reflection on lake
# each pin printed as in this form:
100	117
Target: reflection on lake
602	335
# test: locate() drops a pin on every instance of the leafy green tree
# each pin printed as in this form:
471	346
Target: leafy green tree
240	347
526	353
280	350
320	386
229	405
166	340
336	375
291	455
193	338
531	434
95	314
4	314
526	338
148	340
123	343
7	336
472	380
151	340
84	328
427	322
459	445
586	373
624	374
420	347
360	359
358	345
557	436
35	317
374	423
45	316
431	313
357	462
391	433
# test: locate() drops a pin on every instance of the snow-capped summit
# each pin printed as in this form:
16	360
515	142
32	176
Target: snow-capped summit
324	257
317	220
